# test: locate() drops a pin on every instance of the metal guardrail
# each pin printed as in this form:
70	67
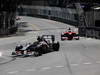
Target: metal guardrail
65	15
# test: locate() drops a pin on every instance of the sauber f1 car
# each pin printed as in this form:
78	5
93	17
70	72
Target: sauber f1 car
44	44
69	35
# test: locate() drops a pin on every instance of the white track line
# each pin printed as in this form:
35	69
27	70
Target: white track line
12	72
74	64
45	68
31	70
87	63
59	66
98	62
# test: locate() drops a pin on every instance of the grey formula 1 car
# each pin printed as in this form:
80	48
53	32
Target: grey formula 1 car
44	44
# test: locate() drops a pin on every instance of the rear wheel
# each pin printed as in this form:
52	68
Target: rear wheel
77	35
77	38
56	46
62	39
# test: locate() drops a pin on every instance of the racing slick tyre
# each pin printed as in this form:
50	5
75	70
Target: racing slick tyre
77	39
56	46
36	54
62	39
13	53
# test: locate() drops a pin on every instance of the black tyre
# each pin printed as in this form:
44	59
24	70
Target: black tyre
37	54
13	53
56	46
62	39
77	38
77	35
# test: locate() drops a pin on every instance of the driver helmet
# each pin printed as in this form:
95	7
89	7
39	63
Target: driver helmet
39	38
69	30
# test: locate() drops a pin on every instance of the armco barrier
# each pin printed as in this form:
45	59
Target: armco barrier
55	13
67	15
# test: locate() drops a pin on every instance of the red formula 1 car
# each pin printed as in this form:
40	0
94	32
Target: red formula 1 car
69	35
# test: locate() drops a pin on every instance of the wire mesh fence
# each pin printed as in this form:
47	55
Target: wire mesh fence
66	15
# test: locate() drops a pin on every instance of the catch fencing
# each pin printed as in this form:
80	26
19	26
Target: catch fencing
54	13
67	15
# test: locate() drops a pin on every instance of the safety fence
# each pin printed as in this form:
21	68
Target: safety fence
67	15
55	13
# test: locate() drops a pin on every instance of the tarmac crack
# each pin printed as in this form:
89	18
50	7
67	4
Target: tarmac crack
68	64
13	58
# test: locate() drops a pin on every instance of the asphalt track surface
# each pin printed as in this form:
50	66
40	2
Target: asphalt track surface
76	57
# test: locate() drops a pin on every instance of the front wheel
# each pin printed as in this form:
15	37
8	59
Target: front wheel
62	39
13	53
37	54
77	38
